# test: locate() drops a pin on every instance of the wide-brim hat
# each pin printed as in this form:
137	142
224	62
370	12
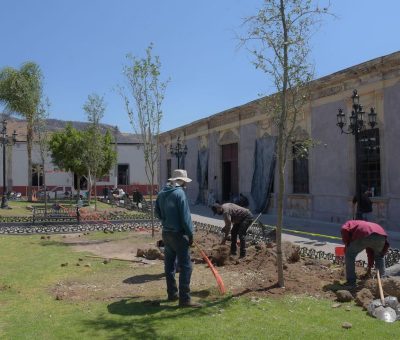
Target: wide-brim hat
180	174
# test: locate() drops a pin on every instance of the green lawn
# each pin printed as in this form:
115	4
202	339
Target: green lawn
30	269
19	208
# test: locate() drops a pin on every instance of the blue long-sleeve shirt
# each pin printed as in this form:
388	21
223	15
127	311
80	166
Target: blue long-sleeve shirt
172	208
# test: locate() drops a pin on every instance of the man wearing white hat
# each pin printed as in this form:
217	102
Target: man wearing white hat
172	208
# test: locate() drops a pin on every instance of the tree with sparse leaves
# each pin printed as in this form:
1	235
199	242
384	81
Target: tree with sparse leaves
42	141
99	154
147	92
278	37
21	92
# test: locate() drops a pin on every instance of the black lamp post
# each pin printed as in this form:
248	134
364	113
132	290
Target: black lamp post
5	140
356	125
179	150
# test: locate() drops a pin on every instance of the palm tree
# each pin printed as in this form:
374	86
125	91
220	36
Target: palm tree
21	92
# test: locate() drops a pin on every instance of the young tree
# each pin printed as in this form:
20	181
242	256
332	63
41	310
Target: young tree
278	38
147	91
21	92
42	140
67	148
94	108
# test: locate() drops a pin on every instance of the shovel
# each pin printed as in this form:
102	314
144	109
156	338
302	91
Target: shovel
386	314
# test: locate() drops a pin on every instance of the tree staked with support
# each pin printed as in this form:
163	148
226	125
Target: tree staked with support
278	38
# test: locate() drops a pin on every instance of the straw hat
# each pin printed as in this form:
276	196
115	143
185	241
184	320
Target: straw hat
180	174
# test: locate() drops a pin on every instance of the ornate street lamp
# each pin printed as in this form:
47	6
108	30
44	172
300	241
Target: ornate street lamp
179	150
356	125
4	141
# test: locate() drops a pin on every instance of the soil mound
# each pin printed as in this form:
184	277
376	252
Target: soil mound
256	273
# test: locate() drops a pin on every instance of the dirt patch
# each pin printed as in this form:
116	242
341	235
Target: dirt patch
125	248
255	274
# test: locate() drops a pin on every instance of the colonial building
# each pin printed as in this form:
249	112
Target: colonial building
128	173
233	151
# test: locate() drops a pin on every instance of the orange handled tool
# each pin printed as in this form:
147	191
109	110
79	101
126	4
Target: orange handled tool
218	278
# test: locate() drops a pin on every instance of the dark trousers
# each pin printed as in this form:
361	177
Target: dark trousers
176	247
376	243
240	229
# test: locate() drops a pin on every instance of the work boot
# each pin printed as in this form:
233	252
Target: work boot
190	303
173	298
348	285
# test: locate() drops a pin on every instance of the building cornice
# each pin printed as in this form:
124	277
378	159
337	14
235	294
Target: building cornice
385	68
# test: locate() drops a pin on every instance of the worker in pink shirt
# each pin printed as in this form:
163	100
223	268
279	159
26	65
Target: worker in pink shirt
358	235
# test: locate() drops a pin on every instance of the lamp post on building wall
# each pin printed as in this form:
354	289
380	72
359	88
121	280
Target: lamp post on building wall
356	125
179	150
4	141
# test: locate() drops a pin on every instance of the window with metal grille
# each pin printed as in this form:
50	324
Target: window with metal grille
169	171
300	169
370	161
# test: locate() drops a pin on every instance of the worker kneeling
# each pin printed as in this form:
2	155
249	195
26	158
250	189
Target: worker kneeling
358	235
241	218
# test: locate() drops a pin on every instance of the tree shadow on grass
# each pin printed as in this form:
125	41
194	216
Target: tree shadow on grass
144	318
138	279
262	289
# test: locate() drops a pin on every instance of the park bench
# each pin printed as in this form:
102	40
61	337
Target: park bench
59	214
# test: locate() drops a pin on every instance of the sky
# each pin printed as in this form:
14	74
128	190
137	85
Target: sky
81	48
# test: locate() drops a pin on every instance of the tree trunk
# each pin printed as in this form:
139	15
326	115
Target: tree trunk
95	193
281	155
78	186
151	206
45	190
29	137
281	190
90	187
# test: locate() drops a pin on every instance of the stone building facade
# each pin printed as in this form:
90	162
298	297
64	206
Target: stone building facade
232	152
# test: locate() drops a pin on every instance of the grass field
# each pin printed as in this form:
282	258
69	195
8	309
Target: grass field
30	270
19	208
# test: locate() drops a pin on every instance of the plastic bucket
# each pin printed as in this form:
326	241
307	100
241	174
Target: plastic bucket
339	251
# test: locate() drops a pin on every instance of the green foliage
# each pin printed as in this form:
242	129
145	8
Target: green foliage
67	150
21	90
71	150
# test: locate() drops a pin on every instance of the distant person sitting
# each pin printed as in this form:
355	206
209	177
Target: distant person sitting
105	192
362	210
137	197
